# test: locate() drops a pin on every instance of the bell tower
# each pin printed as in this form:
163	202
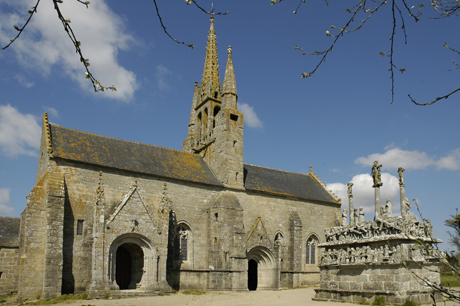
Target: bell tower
215	129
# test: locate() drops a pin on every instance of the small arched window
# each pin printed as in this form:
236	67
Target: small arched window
181	240
312	244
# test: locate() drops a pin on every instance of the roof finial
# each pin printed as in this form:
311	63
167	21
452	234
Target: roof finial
212	10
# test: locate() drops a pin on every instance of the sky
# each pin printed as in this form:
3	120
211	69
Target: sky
338	121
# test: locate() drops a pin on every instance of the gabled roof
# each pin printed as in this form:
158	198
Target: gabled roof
152	160
131	156
9	232
285	183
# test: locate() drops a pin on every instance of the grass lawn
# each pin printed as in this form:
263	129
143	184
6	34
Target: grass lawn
450	280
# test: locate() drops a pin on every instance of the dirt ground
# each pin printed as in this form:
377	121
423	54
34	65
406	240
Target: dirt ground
292	297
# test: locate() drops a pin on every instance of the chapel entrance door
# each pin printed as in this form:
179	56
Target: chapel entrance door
123	270
252	274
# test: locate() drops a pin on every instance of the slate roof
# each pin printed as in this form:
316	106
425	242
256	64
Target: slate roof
132	156
9	232
284	183
143	158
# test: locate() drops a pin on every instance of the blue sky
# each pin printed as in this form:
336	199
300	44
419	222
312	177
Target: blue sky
338	121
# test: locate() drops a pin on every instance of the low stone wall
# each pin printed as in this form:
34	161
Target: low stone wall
9	270
396	283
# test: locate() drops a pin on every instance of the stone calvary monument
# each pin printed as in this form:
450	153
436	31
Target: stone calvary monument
364	259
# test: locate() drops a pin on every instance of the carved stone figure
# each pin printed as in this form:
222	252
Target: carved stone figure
388	212
386	252
401	178
344	217
406	208
361	215
355	215
428	229
279	239
350	191
376	175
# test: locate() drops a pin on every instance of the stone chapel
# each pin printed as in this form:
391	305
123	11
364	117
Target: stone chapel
107	215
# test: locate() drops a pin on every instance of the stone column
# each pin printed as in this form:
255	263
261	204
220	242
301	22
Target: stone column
350	203
376	176
377	202
402	191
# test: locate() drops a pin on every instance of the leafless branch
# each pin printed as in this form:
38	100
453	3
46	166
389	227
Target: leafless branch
342	31
31	12
205	11
164	28
435	100
446	8
68	29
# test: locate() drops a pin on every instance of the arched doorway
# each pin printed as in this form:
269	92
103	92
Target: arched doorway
263	271
123	274
133	263
252	274
130	266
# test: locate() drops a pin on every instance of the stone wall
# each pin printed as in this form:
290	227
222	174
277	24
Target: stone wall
219	241
9	270
395	282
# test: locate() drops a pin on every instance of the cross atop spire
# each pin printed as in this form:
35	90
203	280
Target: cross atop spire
212	10
210	83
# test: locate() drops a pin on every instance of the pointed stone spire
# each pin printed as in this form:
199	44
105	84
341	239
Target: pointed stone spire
230	96
210	84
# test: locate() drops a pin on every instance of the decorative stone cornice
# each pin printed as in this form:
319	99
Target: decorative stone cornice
317	179
47	128
100	190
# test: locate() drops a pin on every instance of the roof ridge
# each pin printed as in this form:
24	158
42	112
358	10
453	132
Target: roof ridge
306	174
142	143
10	217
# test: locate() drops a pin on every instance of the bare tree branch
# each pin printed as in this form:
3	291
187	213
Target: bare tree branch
164	28
342	31
31	12
68	29
205	11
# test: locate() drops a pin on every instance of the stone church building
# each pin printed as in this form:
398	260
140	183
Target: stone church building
110	214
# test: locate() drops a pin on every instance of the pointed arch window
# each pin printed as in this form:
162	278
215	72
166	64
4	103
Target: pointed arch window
312	244
181	243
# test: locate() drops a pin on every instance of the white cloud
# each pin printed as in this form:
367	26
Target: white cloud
23	81
4	200
161	73
450	162
396	157
45	44
363	193
19	133
52	111
250	116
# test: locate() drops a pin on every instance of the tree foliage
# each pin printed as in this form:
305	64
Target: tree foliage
400	10
454	224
